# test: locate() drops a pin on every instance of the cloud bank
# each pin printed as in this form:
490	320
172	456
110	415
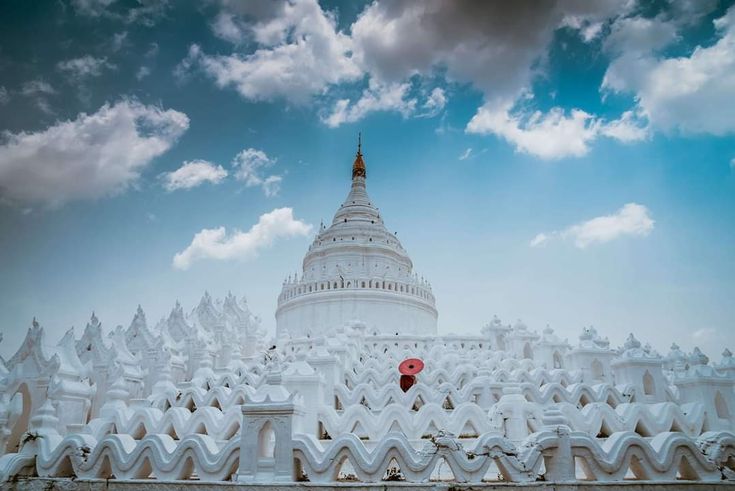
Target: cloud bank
295	50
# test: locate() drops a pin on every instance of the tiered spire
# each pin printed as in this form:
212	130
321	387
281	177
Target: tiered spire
358	167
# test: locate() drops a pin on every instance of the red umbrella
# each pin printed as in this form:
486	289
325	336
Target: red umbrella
411	366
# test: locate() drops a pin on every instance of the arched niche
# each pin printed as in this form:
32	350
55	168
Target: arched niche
649	387
721	407
527	351
266	441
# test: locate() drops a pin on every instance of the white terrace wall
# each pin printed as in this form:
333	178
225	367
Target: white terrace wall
329	408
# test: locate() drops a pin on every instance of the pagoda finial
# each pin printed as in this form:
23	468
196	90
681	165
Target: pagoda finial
358	167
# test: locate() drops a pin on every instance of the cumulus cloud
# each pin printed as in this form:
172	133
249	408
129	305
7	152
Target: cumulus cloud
83	67
294	50
88	157
299	53
250	165
588	30
630	127
555	134
630	220
396	40
635	35
391	97
465	41
692	94
550	136
227	26
192	174
217	244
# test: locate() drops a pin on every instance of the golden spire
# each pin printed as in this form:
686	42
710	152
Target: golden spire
358	167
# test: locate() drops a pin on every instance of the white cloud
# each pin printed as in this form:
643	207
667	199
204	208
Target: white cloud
227	26
627	129
692	94
385	97
466	154
299	51
587	29
550	136
435	102
83	67
216	244
4	96
88	157
293	49
376	97
539	240
249	165
639	35
630	220
553	135
192	174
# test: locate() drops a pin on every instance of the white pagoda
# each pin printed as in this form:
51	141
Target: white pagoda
356	270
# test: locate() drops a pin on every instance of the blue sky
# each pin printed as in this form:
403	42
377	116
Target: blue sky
559	163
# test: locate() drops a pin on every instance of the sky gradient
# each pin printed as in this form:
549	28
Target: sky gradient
564	164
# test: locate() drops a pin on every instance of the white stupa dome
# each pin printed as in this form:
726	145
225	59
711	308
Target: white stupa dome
356	270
